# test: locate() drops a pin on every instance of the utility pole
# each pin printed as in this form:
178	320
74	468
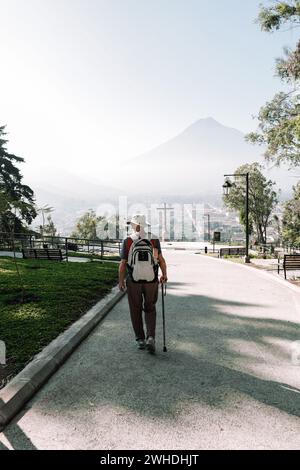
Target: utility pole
208	226
164	209
117	225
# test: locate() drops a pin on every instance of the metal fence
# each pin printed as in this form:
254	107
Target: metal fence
107	247
70	245
275	248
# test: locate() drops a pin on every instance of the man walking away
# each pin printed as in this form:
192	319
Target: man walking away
141	257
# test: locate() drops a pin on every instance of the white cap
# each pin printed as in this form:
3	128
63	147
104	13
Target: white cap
138	219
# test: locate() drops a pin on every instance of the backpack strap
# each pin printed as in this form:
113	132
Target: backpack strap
130	242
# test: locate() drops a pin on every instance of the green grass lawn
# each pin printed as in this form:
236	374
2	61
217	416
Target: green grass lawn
57	294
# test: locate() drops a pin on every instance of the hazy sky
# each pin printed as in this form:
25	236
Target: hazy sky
87	82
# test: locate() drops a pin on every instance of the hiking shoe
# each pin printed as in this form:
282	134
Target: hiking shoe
150	344
141	343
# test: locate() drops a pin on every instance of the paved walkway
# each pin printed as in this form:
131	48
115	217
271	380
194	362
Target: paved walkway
226	382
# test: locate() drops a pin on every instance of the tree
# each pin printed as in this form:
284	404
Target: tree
279	119
11	209
291	219
262	199
13	192
49	229
44	210
282	12
86	226
3	203
277	227
16	201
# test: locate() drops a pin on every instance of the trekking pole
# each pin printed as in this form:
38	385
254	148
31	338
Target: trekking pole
163	293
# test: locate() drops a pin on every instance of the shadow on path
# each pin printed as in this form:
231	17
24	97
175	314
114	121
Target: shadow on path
16	437
201	365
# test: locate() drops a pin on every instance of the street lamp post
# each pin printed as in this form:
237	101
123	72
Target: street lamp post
226	188
247	259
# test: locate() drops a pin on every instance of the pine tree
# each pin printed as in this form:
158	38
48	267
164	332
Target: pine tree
13	193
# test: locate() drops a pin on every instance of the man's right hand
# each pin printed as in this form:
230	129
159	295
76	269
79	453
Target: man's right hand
122	285
122	274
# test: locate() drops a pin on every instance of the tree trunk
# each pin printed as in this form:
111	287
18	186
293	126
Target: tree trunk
12	234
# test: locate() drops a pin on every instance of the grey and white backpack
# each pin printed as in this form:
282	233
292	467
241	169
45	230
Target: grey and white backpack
142	264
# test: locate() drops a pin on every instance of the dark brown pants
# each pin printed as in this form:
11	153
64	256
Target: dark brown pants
137	294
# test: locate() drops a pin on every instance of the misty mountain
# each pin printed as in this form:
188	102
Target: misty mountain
194	162
187	168
69	194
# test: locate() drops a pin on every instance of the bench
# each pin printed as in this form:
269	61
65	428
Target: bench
44	253
289	263
235	251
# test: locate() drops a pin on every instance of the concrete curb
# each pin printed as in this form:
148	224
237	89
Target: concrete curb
22	387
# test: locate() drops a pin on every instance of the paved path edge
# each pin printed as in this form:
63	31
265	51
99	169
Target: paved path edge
25	384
